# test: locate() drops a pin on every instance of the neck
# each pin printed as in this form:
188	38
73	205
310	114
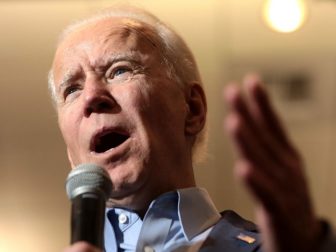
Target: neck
141	200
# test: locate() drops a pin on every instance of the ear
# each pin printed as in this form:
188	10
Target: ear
70	159
196	109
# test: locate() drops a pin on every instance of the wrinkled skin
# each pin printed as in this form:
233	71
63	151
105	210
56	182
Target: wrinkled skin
110	77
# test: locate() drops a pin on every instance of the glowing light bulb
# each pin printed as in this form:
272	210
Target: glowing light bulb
285	15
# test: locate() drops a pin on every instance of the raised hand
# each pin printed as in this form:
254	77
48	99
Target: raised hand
272	170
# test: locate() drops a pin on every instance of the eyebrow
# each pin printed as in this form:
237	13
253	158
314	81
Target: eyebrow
132	56
69	75
101	64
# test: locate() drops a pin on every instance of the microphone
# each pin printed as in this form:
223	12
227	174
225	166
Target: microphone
88	187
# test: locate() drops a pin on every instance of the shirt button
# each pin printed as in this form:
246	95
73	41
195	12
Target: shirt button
148	249
123	219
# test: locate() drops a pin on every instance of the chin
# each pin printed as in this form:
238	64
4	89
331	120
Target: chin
134	195
124	185
126	201
132	201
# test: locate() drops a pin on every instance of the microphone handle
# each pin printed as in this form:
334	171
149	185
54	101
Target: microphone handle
87	219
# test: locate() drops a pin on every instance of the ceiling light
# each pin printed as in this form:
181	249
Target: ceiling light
285	15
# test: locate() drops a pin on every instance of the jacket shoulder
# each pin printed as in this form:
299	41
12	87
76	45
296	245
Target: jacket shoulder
237	221
232	233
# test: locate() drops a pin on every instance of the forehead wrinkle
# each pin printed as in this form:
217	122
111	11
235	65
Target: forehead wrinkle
144	32
134	31
131	56
69	75
68	72
111	58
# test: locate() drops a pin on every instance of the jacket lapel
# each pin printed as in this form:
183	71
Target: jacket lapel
226	237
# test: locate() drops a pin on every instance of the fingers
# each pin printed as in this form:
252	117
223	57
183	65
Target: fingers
255	130
263	111
260	185
261	143
82	247
271	130
256	109
270	167
249	146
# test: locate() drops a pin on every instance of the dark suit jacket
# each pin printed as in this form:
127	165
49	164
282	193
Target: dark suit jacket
232	234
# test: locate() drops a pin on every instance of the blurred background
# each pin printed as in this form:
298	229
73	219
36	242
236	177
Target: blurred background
228	37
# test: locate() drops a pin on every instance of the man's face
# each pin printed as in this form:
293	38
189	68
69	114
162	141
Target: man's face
118	109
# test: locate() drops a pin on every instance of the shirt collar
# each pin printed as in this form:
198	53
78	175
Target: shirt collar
196	211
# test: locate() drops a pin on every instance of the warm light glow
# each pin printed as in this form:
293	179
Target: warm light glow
285	15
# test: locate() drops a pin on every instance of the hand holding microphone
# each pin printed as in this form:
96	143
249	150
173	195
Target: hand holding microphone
82	247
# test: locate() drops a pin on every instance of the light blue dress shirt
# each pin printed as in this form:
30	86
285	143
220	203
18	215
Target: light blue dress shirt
176	221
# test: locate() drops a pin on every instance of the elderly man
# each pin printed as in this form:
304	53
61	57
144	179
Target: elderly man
129	98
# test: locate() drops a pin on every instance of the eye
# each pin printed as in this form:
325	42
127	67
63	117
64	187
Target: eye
70	90
121	71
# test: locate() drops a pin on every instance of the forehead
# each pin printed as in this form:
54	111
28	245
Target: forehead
103	39
115	28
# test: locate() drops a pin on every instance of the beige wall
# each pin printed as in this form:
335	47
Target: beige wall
228	38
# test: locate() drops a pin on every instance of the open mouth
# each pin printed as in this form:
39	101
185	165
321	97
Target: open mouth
107	140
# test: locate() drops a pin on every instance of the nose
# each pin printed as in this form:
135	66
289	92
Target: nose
97	98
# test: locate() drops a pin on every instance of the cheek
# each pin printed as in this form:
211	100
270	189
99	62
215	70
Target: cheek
166	103
68	126
163	110
134	99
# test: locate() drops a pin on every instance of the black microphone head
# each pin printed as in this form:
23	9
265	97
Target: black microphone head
88	178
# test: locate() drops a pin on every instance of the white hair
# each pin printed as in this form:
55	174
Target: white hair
179	60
